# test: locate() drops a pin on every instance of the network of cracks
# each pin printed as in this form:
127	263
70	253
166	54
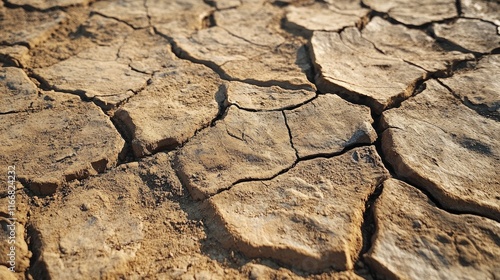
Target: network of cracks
251	139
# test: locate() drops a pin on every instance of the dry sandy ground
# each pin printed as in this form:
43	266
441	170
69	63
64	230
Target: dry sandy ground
249	139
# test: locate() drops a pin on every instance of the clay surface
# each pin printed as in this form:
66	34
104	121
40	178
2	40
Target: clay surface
249	139
444	133
463	246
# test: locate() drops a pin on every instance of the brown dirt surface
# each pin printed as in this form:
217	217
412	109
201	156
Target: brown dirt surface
249	139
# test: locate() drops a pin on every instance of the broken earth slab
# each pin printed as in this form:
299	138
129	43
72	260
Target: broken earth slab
479	88
349	65
102	231
415	13
90	78
48	4
21	27
281	61
93	37
103	32
471	34
215	46
145	52
177	17
95	72
133	12
287	66
328	125
309	217
322	17
17	92
180	100
174	241
416	240
14	55
252	97
481	9
435	142
237	59
258	24
130	223
109	103
66	41
412	45
243	146
70	139
134	223
175	245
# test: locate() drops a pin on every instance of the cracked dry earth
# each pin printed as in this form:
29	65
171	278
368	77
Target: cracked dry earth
251	139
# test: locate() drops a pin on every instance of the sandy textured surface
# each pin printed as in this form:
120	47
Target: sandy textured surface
249	139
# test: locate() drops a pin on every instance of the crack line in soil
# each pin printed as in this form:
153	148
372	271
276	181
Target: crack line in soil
148	15
29	8
290	135
386	16
246	40
287	108
480	109
368	227
32	234
38	268
388	166
285	170
458	6
181	54
116	19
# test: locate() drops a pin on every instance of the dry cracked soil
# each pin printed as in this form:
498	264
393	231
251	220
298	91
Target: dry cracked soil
250	139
